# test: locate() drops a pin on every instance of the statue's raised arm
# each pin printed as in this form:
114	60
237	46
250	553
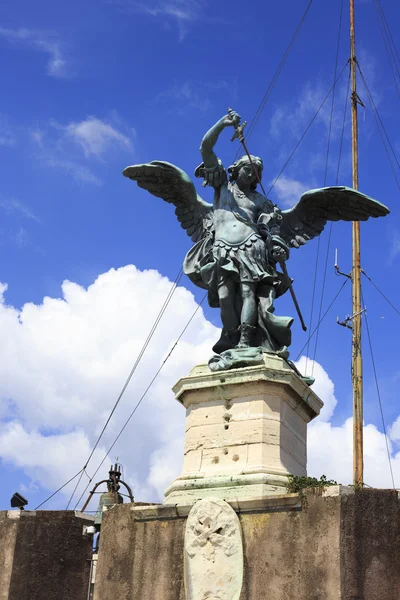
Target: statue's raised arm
211	169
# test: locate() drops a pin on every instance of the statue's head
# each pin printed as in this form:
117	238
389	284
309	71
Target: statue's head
242	171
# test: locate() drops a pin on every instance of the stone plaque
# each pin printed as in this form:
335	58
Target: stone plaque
213	552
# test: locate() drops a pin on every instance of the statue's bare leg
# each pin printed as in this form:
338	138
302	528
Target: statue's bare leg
248	317
227	302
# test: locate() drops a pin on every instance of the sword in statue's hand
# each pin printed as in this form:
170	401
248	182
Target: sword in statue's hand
291	290
240	136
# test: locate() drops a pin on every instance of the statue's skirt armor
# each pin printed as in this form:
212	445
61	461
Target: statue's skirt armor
210	262
244	262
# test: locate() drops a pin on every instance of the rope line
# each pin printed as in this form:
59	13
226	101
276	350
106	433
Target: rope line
381	293
323	317
75	488
378	115
396	53
132	371
325	178
388	43
381	129
275	78
343	127
379	396
307	128
141	399
331	224
313	299
333	92
59	490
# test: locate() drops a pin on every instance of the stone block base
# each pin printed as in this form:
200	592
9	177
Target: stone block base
246	431
342	545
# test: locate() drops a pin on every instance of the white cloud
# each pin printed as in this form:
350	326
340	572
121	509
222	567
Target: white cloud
183	12
65	361
43	456
43	42
22	237
289	190
15	206
77	147
185	95
330	452
394	432
76	353
394	246
194	95
330	448
312	106
293	119
323	385
7	137
96	136
78	172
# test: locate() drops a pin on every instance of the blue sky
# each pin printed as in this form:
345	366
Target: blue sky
88	88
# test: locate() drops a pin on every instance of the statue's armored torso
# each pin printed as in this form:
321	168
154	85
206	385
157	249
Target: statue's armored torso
235	214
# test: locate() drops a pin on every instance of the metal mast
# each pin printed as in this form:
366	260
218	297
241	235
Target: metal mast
356	363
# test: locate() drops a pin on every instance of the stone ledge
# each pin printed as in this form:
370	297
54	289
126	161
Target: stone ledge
332	491
277	503
230	481
17	514
273	370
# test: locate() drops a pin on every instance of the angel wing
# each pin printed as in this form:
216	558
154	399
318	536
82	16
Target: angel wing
308	218
173	185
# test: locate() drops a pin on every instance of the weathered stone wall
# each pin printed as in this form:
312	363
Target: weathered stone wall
370	542
8	534
293	554
44	555
139	560
343	546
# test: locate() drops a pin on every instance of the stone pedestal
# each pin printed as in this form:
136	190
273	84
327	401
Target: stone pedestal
246	431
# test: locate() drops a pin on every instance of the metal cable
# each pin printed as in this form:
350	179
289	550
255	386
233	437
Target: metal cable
141	398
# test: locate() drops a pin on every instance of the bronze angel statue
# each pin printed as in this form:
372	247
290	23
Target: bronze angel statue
242	238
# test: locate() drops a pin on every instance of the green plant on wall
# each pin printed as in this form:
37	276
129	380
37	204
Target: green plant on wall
297	484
